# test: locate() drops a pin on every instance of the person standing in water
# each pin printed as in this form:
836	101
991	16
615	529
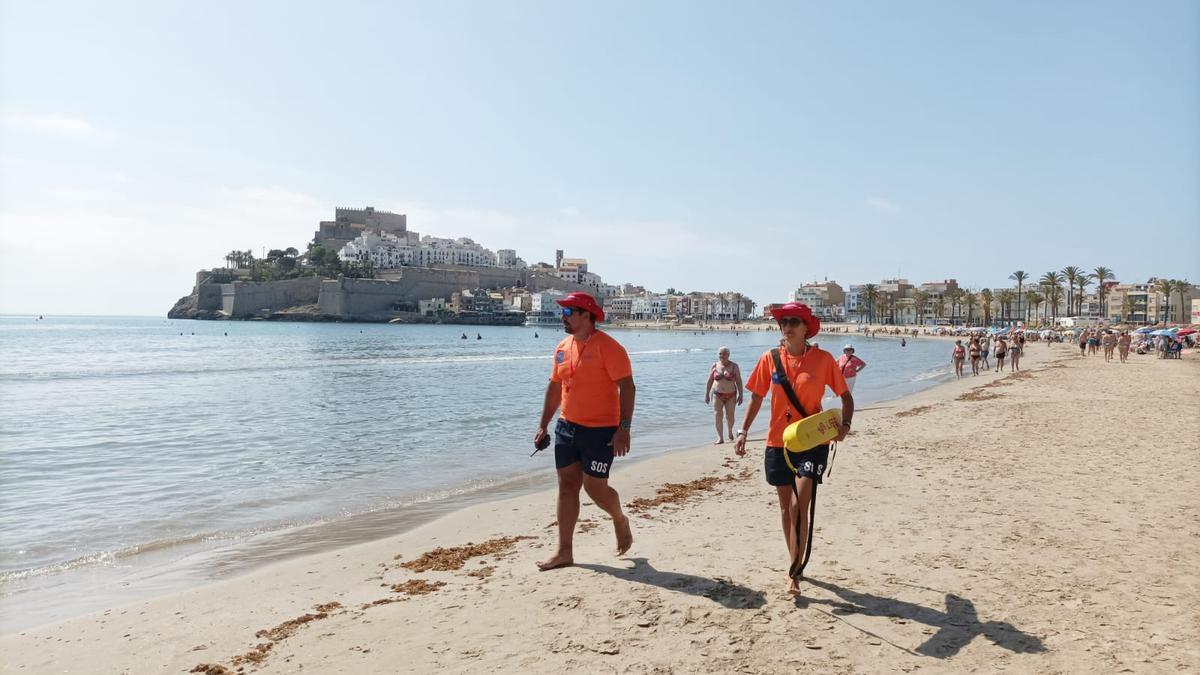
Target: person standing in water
724	390
850	365
592	379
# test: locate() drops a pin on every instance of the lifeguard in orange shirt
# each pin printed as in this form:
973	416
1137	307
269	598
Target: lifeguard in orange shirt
809	370
592	381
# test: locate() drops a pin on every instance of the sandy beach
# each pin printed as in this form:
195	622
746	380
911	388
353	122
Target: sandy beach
1039	522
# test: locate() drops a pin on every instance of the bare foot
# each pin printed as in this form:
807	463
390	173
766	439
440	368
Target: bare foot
560	559
793	586
624	535
718	441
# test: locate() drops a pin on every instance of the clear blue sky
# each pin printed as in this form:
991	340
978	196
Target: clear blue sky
692	145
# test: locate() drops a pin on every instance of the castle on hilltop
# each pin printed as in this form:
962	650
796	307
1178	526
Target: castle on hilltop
348	224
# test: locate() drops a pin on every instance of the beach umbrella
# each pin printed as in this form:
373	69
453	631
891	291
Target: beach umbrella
1186	331
1147	329
1161	331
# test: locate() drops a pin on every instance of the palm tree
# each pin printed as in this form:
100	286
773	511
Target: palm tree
955	297
1102	274
1051	280
1126	307
1034	298
986	299
1020	276
871	293
1071	275
1164	287
1055	297
970	300
1083	280
1182	286
920	299
1005	297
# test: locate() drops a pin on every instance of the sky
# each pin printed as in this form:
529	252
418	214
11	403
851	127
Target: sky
694	145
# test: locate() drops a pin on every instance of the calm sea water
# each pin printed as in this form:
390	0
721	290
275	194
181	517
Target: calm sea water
143	453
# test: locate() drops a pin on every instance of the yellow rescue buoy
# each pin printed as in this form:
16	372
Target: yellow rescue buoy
812	431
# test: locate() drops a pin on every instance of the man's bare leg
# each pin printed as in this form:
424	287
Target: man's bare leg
570	480
608	500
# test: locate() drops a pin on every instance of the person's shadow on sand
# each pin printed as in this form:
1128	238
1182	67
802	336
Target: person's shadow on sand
956	627
723	591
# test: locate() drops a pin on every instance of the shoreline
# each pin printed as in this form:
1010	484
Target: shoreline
411	516
680	585
151	569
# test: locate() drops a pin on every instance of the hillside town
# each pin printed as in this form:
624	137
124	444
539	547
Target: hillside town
366	265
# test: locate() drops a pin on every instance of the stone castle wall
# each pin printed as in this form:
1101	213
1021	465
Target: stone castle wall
360	297
248	298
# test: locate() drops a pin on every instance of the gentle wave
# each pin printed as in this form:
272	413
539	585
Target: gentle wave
173	369
932	373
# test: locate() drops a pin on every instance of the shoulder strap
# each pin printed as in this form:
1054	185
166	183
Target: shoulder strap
785	383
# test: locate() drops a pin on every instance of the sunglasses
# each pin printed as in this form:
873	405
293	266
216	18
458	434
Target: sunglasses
790	321
568	311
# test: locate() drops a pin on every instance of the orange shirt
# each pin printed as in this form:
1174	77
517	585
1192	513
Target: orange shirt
589	372
809	374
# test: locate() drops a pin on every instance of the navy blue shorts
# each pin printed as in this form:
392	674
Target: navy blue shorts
809	464
590	446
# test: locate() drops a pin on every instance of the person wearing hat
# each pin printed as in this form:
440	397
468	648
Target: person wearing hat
592	382
850	365
809	371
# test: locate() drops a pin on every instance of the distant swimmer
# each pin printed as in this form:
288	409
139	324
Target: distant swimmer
535	333
478	336
464	337
903	343
592	379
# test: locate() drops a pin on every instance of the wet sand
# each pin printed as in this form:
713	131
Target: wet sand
1043	522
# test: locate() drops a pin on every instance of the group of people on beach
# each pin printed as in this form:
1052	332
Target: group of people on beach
977	351
591	386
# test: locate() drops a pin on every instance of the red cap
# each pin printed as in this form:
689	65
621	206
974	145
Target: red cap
801	311
583	301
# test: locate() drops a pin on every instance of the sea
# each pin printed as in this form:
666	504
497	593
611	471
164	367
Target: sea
141	455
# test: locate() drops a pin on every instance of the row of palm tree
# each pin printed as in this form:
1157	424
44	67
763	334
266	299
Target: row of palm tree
239	259
1047	294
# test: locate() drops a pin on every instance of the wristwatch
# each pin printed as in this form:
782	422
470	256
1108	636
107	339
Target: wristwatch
626	425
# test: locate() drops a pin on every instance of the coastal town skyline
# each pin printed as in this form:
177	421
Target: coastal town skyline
365	264
922	160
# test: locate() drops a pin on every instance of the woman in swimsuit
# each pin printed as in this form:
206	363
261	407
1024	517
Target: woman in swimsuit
957	357
973	351
1001	352
1014	353
724	384
1123	345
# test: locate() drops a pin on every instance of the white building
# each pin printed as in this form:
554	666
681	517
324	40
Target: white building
649	307
388	251
384	250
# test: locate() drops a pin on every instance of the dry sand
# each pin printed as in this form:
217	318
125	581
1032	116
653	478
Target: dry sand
1041	523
